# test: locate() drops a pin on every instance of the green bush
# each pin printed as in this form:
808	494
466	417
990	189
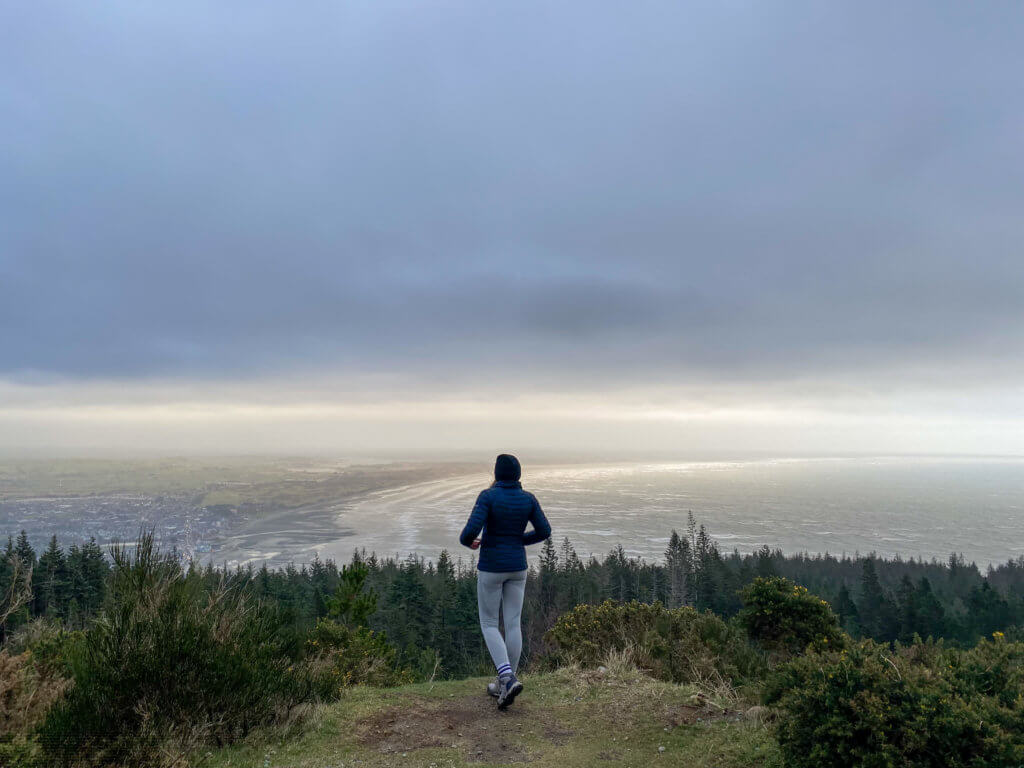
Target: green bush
341	656
28	691
169	664
921	706
785	618
678	645
51	644
342	650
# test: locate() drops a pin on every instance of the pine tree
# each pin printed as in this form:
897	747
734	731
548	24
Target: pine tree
846	611
52	582
988	611
24	550
263	581
351	605
548	580
410	610
320	607
906	599
567	553
573	574
96	570
617	567
765	568
877	612
318	579
443	626
931	616
548	556
679	564
706	557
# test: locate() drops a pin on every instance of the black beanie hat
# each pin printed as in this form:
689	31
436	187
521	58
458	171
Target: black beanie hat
506	467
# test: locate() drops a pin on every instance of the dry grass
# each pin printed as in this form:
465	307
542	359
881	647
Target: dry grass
25	694
625	693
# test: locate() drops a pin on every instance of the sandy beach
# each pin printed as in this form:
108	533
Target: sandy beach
341	504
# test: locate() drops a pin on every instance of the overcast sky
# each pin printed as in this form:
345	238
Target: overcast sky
785	227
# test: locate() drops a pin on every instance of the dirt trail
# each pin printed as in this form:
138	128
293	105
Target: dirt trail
474	726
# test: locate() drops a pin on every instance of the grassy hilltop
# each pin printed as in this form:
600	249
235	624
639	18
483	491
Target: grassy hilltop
188	668
565	719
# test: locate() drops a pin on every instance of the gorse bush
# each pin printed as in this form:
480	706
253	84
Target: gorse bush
678	645
52	646
921	706
785	618
27	692
169	661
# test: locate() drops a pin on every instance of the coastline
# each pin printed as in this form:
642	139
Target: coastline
328	521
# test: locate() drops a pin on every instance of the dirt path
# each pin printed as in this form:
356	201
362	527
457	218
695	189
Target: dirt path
481	733
564	719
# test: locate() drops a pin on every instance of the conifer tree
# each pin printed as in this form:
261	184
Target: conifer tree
52	585
410	609
931	617
351	605
988	611
24	550
906	599
548	579
846	611
443	626
678	563
877	612
764	567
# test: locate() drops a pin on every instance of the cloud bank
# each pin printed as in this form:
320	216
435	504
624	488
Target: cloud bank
725	203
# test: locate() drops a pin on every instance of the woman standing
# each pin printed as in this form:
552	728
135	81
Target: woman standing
502	513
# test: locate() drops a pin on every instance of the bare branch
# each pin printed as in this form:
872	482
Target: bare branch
20	591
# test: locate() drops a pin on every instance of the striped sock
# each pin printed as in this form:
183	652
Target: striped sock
504	671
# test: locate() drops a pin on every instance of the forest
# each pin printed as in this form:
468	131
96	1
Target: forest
427	610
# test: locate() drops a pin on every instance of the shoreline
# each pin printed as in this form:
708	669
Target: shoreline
325	520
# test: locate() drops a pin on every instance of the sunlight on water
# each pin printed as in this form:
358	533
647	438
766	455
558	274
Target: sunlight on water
914	508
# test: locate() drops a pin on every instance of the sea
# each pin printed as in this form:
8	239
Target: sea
911	507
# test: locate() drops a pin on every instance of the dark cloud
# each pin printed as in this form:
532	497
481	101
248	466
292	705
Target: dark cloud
524	189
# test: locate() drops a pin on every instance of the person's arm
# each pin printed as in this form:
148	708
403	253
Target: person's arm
477	519
541	526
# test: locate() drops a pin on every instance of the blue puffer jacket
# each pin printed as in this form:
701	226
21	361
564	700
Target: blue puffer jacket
502	512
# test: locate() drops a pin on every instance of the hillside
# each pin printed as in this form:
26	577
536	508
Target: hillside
565	719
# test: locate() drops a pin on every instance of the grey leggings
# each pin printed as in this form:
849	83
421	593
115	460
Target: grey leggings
504	590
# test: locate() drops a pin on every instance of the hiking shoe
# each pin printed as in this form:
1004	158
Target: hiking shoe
494	688
510	688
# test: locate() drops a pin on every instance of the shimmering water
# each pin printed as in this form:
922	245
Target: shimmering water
911	507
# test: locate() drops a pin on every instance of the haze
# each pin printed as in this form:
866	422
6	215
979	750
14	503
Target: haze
441	228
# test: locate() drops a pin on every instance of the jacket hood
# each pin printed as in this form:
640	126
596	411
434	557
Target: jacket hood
506	468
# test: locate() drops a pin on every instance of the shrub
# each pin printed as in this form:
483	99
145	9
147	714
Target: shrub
922	706
51	645
342	650
170	662
26	694
340	656
678	645
785	618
